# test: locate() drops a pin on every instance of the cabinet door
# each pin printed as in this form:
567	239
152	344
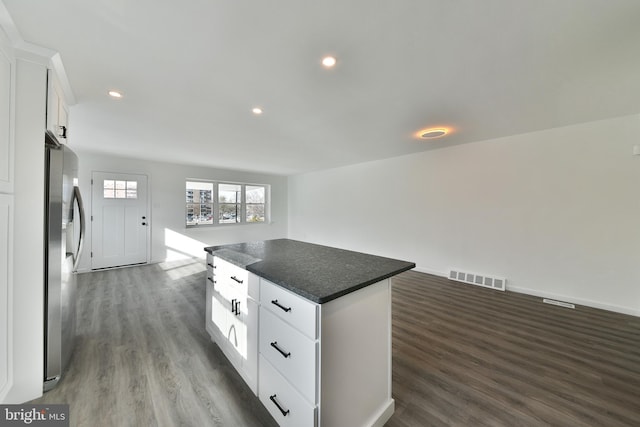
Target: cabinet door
7	69
57	112
208	320
250	362
236	331
219	313
6	267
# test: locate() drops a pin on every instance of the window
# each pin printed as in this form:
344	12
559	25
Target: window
199	203
255	203
230	203
115	189
221	203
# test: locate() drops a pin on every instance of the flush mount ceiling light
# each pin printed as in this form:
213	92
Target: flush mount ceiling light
115	94
328	62
256	110
432	133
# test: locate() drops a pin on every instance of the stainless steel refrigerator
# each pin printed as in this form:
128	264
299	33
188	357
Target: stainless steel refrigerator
64	237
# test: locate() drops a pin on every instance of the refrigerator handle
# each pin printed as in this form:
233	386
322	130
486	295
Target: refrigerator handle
78	197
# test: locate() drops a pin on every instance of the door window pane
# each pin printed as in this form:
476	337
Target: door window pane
121	188
109	186
132	189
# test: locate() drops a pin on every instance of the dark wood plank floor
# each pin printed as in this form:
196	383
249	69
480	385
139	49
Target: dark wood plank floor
469	356
463	356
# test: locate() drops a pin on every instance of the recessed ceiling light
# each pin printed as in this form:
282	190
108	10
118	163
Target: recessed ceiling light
257	111
328	61
432	133
115	94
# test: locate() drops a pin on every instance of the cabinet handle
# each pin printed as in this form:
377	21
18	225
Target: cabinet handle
210	279
236	279
210	265
273	399
282	352
233	306
275	301
237	309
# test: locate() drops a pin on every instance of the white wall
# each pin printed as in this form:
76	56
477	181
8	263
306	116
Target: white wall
556	212
170	239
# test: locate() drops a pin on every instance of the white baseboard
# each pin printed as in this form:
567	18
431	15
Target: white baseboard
573	300
433	272
535	293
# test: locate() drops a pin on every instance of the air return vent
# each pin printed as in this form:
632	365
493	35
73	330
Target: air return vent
483	280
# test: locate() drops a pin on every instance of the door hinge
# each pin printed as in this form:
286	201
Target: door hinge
91	217
91	181
91	254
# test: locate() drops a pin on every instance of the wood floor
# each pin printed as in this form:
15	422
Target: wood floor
462	356
469	356
143	357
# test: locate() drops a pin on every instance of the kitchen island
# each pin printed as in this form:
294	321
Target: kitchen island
307	326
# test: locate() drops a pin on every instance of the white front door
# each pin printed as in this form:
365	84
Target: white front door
119	219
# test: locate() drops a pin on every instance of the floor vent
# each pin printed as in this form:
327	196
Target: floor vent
498	283
559	303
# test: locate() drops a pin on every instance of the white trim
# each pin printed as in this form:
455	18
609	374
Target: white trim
35	53
573	300
9	27
61	73
533	292
432	272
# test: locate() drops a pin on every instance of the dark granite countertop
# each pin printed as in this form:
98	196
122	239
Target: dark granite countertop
317	273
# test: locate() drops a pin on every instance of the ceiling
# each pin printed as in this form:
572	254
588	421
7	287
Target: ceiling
191	71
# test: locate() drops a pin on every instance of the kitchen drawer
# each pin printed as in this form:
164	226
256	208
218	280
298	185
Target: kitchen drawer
231	275
297	311
290	352
293	410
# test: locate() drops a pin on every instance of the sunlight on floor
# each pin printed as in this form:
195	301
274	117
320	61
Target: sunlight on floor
185	256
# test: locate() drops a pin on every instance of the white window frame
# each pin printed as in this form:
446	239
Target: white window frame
243	206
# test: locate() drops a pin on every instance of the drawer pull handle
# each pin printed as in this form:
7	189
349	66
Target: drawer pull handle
235	306
282	352
236	279
273	399
210	265
275	301
210	279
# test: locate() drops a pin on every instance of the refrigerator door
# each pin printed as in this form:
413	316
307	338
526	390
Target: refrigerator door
54	258
62	251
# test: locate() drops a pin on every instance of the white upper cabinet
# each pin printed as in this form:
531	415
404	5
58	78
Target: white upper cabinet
7	91
57	109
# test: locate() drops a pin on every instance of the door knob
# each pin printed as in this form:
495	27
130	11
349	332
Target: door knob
144	223
144	217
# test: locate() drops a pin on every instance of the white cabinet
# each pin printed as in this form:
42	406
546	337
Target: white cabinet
6	266
232	315
7	122
7	96
310	364
326	364
57	110
289	357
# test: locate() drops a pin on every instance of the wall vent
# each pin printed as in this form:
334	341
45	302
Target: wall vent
499	283
558	303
